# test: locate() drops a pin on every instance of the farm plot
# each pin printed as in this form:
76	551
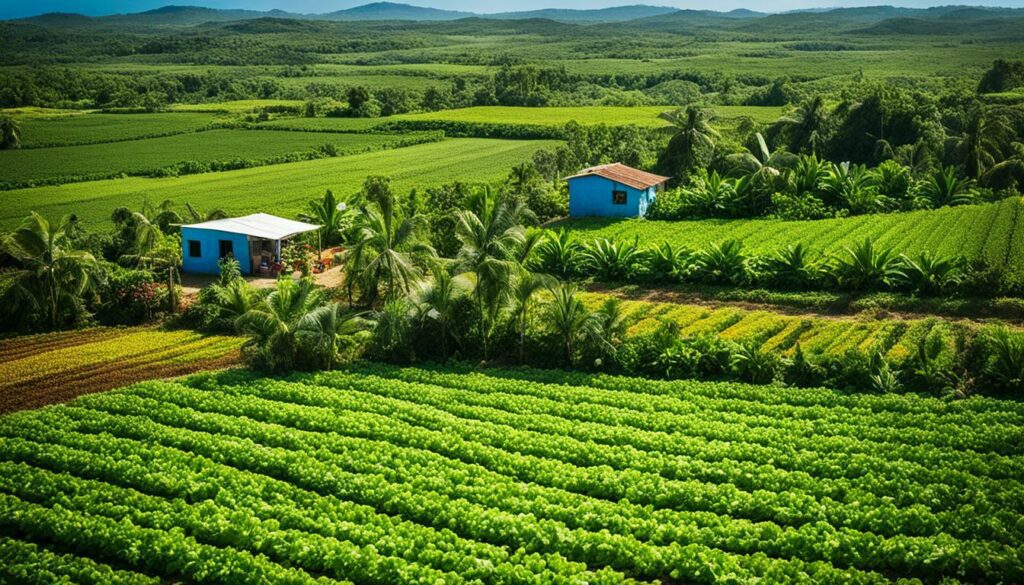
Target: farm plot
52	367
380	474
611	115
148	156
279	189
993	232
895	339
37	131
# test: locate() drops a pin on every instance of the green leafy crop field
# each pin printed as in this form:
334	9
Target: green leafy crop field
38	131
993	232
378	474
280	189
137	156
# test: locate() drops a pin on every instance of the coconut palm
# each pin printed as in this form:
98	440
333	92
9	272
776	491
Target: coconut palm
761	162
568	319
525	287
438	299
272	325
233	299
979	146
1005	366
319	332
53	275
491	235
806	125
387	250
196	216
333	217
692	136
608	331
10	133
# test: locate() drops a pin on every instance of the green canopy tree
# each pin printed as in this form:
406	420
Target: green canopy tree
53	275
332	215
693	140
10	133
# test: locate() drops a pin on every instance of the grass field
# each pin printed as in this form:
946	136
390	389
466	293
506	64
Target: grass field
280	189
325	124
612	115
39	131
895	339
41	369
137	156
992	232
237	106
384	475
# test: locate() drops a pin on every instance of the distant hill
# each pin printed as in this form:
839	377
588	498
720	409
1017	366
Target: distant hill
613	14
393	11
191	15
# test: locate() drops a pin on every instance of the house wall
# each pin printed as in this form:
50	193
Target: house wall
592	196
209	242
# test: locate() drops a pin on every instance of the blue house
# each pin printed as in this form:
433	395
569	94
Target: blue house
612	190
254	240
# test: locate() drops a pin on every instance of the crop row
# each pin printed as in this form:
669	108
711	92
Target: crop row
988	232
62	366
380	474
896	340
473	510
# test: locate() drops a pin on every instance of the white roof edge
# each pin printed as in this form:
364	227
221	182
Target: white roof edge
259	225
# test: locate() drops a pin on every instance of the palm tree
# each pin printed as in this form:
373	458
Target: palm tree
233	299
319	331
558	253
944	187
865	267
761	162
692	135
197	216
53	275
492	236
273	324
569	319
525	287
806	126
438	299
10	133
806	175
980	145
331	215
387	250
610	324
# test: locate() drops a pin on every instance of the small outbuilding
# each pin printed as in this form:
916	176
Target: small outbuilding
613	190
254	240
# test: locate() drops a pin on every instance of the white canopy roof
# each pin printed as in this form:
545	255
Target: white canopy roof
257	225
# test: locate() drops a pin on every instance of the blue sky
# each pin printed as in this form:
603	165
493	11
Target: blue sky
19	8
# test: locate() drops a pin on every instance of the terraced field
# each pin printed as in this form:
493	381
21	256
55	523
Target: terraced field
41	369
279	189
39	131
379	474
895	339
993	232
99	161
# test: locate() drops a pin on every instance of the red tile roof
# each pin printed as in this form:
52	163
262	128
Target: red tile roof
620	173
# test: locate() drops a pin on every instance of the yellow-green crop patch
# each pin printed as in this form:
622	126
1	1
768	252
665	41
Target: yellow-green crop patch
237	106
282	189
646	116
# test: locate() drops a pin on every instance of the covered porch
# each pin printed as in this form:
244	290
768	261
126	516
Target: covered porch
256	241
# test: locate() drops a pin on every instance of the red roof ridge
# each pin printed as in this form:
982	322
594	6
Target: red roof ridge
621	173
